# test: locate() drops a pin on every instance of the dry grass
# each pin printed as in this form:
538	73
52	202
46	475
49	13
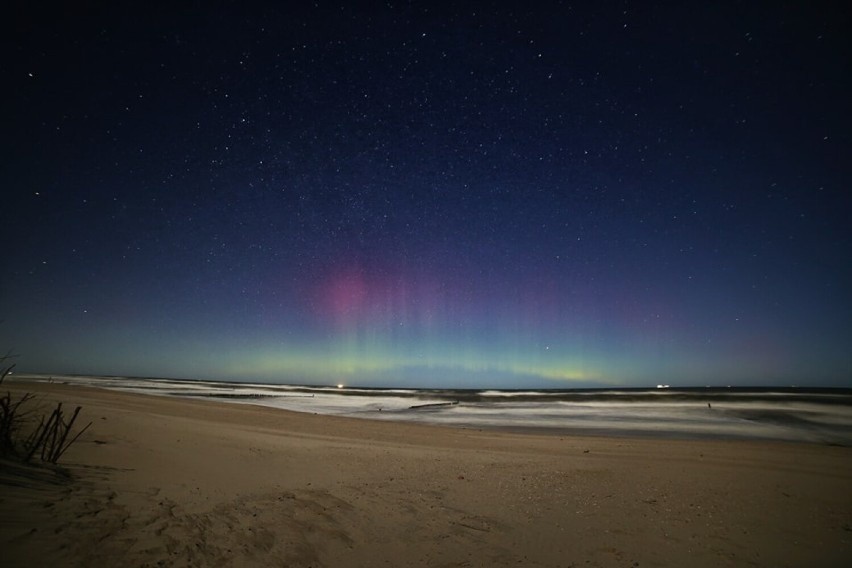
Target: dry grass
26	431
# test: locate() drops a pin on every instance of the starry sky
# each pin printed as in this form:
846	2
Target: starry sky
469	195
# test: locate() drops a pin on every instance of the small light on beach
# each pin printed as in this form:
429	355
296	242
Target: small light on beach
340	386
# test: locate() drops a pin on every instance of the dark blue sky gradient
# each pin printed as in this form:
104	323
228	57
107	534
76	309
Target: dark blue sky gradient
537	196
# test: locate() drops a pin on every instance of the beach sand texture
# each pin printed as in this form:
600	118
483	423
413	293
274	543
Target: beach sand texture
164	482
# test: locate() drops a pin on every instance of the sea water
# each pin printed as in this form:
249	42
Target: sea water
791	414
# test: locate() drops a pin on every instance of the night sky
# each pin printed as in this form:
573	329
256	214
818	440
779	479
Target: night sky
542	195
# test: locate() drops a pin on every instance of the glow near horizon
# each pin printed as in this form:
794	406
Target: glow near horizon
355	327
367	329
491	358
328	364
380	336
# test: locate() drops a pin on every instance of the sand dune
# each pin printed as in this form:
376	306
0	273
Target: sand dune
164	482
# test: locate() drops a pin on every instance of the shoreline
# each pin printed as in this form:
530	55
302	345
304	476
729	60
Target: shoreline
206	483
822	416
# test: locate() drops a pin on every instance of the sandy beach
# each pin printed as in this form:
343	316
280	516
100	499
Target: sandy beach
165	482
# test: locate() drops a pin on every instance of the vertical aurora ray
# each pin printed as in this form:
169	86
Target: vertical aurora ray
384	326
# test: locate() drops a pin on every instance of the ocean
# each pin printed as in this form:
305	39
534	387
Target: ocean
788	414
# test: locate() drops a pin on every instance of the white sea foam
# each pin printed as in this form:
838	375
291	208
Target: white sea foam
823	417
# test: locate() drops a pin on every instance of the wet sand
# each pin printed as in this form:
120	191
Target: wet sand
164	482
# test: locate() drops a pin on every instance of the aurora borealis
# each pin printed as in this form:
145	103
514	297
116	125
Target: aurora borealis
395	195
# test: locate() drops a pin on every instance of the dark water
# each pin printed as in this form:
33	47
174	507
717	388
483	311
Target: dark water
793	414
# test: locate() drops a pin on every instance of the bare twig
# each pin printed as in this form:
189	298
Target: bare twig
51	438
